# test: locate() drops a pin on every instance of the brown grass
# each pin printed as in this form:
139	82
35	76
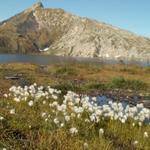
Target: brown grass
53	74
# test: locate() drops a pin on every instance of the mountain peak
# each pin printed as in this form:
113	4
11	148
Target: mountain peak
37	5
64	34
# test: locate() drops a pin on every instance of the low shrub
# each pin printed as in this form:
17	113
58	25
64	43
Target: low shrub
122	83
66	71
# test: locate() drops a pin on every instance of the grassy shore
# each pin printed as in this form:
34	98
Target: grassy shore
26	127
78	77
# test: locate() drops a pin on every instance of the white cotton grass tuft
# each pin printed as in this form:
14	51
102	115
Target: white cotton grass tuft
30	103
67	118
1	118
73	130
135	142
146	135
43	114
12	111
62	125
44	102
16	99
74	105
46	119
67	112
101	131
55	97
85	145
140	124
56	121
5	95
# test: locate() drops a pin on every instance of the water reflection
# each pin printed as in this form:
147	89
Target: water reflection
48	59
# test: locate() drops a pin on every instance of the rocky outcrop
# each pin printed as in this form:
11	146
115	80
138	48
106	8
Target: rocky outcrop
67	35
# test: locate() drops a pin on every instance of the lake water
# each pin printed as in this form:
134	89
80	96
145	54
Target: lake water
48	59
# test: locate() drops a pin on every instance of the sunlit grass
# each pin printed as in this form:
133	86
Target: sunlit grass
28	129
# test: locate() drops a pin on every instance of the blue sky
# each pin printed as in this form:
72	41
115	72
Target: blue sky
132	15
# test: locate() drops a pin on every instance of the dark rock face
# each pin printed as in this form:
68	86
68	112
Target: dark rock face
64	34
21	34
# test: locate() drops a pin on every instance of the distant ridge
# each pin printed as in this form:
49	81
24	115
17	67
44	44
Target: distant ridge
56	32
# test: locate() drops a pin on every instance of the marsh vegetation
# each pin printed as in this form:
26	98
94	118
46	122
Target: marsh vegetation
48	116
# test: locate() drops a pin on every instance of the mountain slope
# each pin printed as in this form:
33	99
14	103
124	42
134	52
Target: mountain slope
64	34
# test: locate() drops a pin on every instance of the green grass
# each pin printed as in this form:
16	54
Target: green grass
65	86
122	83
115	83
80	78
66	70
27	130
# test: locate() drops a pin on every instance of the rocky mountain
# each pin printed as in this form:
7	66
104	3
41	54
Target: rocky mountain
56	32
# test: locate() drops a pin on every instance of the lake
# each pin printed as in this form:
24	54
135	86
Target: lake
48	59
